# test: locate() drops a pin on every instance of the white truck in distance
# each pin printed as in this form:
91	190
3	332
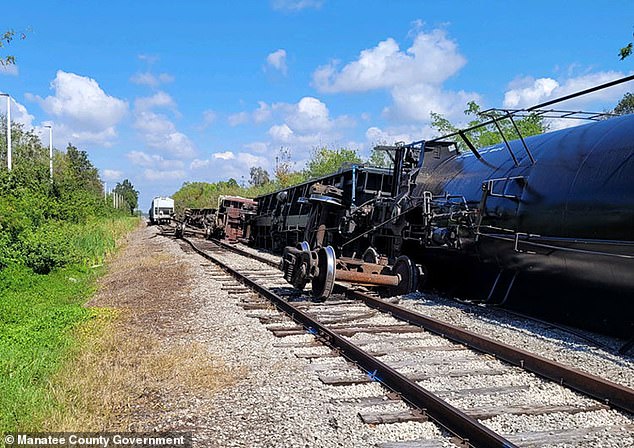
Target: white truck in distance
161	210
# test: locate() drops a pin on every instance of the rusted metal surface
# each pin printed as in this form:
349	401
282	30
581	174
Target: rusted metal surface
367	278
451	418
246	254
615	395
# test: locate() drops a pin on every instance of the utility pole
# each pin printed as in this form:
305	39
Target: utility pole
9	161
50	149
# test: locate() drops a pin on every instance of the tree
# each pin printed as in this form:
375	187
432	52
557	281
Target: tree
6	38
82	170
625	51
379	158
489	135
259	176
325	161
625	105
285	176
126	190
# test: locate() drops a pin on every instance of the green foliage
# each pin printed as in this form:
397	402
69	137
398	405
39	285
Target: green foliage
325	161
626	51
625	105
379	159
39	219
5	39
51	232
48	247
38	314
131	197
258	176
489	135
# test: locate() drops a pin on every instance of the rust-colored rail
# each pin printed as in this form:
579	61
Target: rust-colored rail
615	395
457	422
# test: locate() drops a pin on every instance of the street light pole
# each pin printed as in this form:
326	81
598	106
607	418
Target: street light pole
9	162
50	148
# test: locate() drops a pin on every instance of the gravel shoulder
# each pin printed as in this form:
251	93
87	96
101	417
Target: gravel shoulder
209	366
213	370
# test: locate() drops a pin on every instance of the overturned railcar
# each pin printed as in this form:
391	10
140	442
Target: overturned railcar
543	224
233	217
317	211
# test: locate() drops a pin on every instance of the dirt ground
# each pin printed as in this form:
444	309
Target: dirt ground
137	360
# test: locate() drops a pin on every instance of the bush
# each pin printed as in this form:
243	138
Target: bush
48	247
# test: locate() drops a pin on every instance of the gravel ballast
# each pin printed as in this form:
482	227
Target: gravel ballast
273	395
277	400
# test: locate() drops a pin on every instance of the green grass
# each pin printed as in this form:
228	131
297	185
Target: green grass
38	314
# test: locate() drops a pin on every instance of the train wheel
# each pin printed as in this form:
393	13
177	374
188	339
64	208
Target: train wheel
324	282
408	272
303	246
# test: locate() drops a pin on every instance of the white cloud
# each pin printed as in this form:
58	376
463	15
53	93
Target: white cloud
209	117
416	102
163	175
414	77
306	123
239	118
391	135
159	99
281	133
296	5
526	92
249	160
260	147
198	164
228	164
19	113
277	60
149	58
157	130
150	79
532	92
227	155
431	59
310	114
9	70
377	136
83	111
145	160
111	175
262	113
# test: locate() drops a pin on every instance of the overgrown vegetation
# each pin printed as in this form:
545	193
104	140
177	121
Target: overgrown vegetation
322	162
489	135
54	235
625	105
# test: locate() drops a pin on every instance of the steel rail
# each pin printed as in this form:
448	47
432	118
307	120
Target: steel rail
245	253
454	420
615	395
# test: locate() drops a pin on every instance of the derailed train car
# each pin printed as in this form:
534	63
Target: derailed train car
230	220
317	211
544	224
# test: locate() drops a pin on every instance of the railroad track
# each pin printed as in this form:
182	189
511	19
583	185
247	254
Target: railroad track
474	378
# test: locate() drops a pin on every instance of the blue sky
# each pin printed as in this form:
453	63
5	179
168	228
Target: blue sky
164	92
